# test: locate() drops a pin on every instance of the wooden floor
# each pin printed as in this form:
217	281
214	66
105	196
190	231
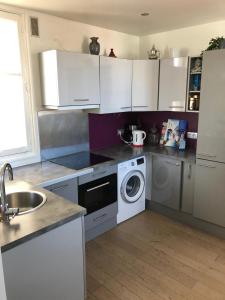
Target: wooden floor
152	257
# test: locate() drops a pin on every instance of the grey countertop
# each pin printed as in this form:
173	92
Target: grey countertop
46	173
125	152
55	212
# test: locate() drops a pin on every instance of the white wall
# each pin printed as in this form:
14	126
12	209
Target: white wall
63	34
189	40
58	33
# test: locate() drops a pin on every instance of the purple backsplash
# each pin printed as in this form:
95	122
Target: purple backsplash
103	128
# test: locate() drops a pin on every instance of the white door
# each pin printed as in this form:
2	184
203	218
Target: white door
78	78
115	84
173	84
211	126
132	186
145	85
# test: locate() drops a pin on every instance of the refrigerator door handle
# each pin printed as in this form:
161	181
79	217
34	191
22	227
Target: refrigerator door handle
206	166
205	154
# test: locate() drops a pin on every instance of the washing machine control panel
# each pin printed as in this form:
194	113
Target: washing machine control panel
140	161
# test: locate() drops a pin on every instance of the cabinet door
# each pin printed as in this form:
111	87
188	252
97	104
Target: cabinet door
53	265
209	200
145	85
166	181
78	78
173	84
115	84
67	189
211	133
188	188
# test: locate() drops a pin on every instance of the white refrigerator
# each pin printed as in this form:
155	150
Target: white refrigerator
209	196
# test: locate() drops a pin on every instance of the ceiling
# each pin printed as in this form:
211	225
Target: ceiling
124	15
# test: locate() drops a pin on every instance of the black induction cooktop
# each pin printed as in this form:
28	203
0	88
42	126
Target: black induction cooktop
80	160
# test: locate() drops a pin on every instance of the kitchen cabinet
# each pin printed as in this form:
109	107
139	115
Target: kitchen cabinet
209	200
70	80
67	189
173	84
211	133
50	266
145	85
188	181
115	84
166	181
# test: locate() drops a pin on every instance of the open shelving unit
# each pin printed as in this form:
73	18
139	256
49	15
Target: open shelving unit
194	83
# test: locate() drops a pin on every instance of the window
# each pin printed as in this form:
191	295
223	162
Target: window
15	106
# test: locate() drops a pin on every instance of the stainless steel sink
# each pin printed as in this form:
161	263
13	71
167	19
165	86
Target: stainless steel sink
26	201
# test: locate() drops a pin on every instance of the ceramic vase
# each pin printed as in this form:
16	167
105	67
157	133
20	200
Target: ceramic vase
94	46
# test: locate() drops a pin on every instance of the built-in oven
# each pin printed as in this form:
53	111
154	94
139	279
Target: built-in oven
97	192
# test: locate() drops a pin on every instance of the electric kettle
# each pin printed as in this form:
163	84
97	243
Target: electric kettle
138	138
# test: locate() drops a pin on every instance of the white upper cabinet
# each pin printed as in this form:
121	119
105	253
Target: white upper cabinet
173	84
211	126
70	80
145	85
115	84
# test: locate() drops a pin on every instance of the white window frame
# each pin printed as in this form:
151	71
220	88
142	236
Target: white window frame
31	153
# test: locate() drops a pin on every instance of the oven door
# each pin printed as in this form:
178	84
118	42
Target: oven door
99	193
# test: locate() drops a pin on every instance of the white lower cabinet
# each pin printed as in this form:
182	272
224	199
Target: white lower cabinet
49	267
209	198
115	84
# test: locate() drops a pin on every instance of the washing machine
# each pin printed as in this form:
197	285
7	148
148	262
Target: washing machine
131	188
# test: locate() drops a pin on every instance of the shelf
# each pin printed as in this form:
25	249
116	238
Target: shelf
193	111
194	91
195	73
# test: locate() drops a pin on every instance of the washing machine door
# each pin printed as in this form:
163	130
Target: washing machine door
132	186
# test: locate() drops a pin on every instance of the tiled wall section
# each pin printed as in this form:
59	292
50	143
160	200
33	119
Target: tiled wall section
103	128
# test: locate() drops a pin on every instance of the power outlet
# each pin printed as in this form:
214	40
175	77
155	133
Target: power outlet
120	132
192	135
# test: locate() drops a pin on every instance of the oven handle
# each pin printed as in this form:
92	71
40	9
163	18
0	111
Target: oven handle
98	186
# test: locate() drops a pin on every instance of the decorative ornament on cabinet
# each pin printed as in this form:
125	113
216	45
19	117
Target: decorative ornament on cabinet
112	54
94	46
154	53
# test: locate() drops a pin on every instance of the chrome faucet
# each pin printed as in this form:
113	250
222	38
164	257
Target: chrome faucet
5	211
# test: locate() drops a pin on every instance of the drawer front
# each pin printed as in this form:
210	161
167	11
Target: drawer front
67	189
102	172
100	216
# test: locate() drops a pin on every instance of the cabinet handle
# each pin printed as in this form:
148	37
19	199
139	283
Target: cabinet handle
207	166
100	217
98	186
125	107
205	154
59	187
175	106
140	105
81	100
189	171
172	163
